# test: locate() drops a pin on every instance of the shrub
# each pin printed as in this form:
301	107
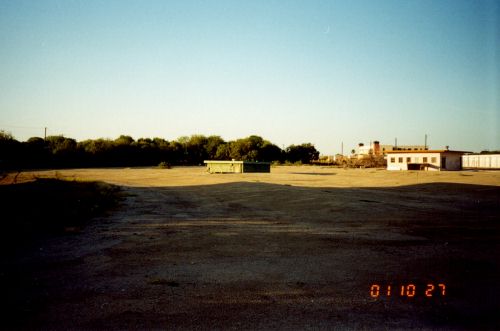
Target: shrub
164	165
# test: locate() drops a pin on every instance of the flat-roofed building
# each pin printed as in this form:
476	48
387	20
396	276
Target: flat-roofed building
481	161
425	160
376	149
215	166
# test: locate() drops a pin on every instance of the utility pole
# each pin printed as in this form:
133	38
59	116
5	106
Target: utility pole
342	149
45	134
395	142
425	144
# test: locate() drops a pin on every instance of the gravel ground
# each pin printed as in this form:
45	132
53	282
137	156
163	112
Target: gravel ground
299	248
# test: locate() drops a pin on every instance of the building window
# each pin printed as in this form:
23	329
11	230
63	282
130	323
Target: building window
425	159
393	159
433	160
400	160
408	160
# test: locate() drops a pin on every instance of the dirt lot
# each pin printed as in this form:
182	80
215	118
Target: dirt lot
299	248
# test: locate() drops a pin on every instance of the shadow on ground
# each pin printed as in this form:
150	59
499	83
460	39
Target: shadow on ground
265	256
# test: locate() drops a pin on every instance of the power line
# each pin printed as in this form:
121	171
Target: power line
21	127
24	130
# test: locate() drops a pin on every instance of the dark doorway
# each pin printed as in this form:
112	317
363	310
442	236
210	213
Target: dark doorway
414	166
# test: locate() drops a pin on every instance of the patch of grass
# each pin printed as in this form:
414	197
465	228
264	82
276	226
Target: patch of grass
52	206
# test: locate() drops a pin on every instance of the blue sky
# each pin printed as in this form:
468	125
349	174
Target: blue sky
291	71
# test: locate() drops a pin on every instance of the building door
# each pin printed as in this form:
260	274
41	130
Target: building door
443	163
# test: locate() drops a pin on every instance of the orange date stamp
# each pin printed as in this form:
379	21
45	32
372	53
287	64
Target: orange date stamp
408	290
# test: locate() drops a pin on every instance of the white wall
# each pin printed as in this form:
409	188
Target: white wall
414	158
484	161
453	160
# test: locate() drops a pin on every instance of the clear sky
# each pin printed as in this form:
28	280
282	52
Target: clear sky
290	71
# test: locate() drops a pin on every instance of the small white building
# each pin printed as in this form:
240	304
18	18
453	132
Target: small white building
218	166
424	160
481	161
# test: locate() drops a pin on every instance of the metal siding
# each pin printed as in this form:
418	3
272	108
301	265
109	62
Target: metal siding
484	161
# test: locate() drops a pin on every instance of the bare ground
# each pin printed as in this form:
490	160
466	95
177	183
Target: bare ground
298	249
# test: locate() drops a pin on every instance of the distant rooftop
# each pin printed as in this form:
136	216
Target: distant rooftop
426	151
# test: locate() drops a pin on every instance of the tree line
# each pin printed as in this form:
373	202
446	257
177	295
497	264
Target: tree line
60	151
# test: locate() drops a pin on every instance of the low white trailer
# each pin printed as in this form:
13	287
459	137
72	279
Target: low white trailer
481	161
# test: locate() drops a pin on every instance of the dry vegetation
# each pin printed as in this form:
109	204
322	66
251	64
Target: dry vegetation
295	249
52	205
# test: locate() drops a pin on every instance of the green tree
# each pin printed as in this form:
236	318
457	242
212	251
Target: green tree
60	145
5	136
223	152
195	149
304	153
97	146
212	145
62	151
10	150
36	142
124	152
161	143
97	152
124	140
247	149
163	152
270	152
35	152
177	152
